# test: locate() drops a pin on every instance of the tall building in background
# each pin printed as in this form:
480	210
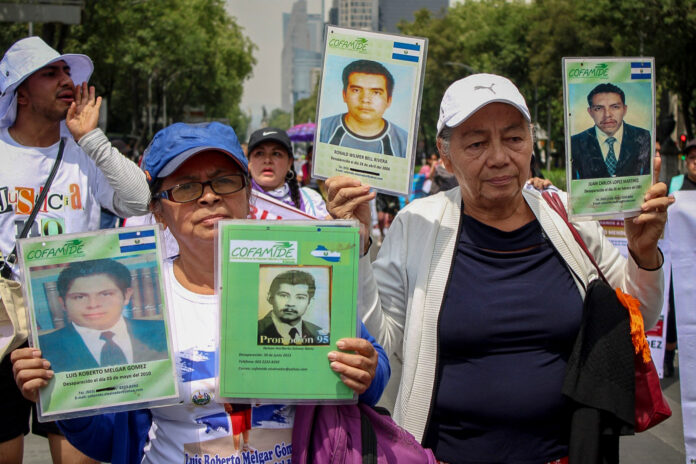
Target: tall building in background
393	11
303	37
380	15
359	14
333	13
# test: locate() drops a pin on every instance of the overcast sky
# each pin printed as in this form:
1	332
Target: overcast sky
262	21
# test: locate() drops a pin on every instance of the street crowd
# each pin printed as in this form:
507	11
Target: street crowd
477	289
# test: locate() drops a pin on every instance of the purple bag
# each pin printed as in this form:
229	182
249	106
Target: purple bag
352	434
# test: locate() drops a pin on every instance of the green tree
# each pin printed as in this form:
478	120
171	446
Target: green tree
675	26
279	118
306	108
485	36
241	126
526	42
166	56
665	29
175	53
10	33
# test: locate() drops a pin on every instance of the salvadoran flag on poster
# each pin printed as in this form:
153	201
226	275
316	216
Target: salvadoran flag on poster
406	52
641	70
137	241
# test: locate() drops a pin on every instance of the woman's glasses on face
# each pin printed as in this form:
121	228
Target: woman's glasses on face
191	191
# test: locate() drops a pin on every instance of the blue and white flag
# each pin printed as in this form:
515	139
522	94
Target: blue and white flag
137	241
406	52
641	70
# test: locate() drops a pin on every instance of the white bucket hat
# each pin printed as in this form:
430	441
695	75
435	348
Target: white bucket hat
23	59
466	96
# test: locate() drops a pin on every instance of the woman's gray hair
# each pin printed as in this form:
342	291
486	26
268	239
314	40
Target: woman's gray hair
444	137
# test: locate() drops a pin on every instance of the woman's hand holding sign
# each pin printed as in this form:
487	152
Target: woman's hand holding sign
357	369
349	199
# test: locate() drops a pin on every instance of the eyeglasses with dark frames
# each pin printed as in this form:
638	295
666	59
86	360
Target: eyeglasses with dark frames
192	191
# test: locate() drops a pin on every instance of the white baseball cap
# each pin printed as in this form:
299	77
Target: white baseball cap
23	59
468	95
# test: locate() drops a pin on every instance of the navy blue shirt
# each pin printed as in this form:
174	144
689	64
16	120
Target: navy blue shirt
508	323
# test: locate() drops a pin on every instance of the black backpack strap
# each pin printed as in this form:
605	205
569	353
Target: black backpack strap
382	411
369	439
310	443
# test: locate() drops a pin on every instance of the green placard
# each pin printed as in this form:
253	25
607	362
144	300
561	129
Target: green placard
288	293
82	289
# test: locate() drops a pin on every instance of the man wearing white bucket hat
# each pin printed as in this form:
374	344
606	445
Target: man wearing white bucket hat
47	107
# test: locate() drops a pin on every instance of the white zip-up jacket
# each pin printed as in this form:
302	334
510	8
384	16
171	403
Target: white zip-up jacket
403	290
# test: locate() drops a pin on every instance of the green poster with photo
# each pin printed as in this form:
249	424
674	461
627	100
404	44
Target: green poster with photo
610	134
99	315
288	293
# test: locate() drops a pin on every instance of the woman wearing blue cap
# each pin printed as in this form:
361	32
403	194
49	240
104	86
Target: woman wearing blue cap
198	175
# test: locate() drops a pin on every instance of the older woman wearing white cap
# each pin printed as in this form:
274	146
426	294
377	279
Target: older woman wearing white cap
479	290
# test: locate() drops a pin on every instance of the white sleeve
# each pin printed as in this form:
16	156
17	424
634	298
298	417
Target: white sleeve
131	195
646	286
382	300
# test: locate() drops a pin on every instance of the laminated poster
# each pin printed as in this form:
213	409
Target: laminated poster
288	293
368	108
99	314
609	133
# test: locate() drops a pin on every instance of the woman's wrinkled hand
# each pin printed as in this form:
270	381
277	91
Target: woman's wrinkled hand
539	183
644	230
356	363
349	198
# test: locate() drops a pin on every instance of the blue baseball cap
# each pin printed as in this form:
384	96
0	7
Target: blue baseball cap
175	144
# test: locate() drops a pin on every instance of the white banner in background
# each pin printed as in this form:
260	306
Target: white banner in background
680	231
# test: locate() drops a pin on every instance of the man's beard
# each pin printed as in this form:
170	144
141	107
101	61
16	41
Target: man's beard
50	112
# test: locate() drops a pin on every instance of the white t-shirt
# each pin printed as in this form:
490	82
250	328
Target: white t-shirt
199	430
73	203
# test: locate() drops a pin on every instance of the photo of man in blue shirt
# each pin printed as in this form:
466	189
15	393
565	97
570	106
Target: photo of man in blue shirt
367	93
